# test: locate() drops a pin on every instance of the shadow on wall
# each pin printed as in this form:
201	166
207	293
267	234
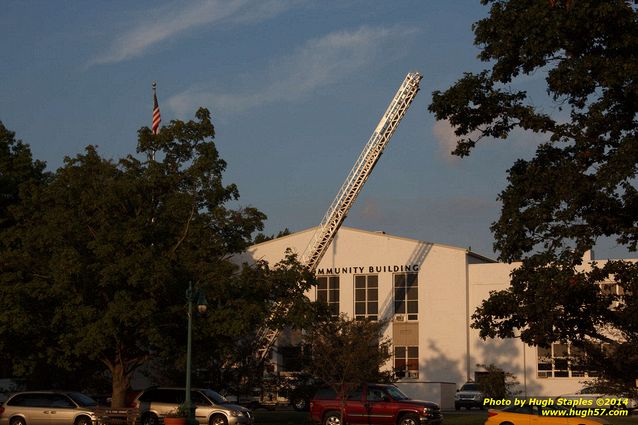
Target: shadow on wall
438	378
418	256
508	354
439	367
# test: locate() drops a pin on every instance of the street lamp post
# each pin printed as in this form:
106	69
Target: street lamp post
202	305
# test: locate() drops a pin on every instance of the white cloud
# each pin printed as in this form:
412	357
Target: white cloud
318	63
445	139
520	142
175	19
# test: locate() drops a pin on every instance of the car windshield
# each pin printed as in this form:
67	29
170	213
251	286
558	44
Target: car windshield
215	397
82	400
396	393
470	387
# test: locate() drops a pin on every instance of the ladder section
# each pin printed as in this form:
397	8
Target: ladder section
351	188
346	196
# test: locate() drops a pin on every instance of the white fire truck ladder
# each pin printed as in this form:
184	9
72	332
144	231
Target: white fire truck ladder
349	191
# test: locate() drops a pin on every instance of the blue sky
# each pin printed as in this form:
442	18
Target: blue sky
295	87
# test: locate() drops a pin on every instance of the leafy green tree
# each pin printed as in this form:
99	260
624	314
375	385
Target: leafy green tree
19	174
98	261
346	353
497	383
17	168
260	237
581	184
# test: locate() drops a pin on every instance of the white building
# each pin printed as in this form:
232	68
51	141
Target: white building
429	291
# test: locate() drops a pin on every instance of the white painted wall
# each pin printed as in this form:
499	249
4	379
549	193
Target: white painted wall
452	284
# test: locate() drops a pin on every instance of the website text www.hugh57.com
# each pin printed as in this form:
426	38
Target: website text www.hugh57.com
547	406
584	412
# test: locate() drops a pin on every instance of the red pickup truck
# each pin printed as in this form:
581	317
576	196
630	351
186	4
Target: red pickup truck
373	404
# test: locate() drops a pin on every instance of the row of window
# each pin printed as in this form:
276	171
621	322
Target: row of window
366	295
406	360
562	360
366	306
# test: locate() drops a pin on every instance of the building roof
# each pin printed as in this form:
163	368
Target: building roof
379	233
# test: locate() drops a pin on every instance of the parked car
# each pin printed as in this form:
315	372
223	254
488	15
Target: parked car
468	396
253	398
525	415
373	404
211	408
596	399
48	408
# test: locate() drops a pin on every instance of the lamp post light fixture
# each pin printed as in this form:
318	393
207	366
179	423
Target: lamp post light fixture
200	300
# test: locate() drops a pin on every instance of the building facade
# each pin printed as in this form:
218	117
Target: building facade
428	292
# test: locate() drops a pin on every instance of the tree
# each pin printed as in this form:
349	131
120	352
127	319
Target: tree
17	167
496	383
346	353
581	184
19	174
96	266
260	237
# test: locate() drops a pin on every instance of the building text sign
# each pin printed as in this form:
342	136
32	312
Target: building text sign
369	269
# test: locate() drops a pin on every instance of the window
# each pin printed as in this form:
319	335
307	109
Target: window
615	292
376	394
406	362
58	400
81	399
328	292
29	400
611	289
199	399
355	394
291	358
366	297
561	360
406	295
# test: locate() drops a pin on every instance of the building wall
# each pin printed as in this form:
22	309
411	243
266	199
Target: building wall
511	354
452	283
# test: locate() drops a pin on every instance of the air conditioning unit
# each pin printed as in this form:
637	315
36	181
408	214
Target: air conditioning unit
399	317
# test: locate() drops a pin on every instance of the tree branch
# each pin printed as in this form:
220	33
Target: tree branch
188	222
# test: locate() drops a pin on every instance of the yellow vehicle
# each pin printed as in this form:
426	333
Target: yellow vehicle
538	415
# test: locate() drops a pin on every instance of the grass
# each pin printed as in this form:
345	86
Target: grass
290	417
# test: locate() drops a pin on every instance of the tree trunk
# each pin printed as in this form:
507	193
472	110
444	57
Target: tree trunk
120	384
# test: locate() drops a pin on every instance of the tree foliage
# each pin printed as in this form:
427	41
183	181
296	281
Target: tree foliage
97	260
346	353
581	184
497	383
17	167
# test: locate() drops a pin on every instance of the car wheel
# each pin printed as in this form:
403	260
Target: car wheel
300	404
332	418
150	419
18	421
409	419
83	420
218	420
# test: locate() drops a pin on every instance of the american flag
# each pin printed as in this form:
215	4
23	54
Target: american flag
157	118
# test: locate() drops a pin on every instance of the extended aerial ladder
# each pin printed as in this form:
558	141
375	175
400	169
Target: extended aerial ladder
348	193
